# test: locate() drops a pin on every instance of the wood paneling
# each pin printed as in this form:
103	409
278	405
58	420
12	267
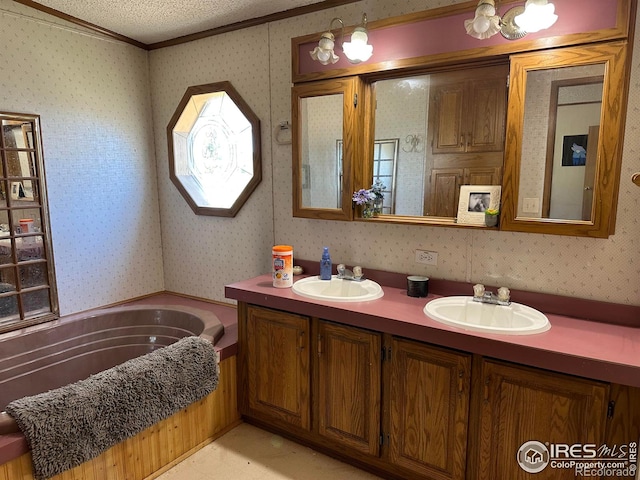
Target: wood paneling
159	447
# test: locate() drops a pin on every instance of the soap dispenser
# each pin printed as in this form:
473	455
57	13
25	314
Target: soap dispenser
325	265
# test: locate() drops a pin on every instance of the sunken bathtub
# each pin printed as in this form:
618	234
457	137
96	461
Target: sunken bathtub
48	356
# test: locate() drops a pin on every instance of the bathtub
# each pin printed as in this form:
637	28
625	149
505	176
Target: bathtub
48	356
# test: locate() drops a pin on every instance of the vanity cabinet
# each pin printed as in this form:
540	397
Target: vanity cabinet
408	409
429	393
467	110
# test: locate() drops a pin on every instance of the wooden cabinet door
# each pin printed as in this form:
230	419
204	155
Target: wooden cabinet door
445	192
349	372
277	366
485	175
446	117
467	110
429	409
519	405
486	112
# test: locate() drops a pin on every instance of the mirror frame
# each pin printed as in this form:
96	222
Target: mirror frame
609	154
610	22
353	105
252	118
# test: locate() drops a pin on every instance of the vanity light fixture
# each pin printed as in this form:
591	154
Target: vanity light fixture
356	51
534	16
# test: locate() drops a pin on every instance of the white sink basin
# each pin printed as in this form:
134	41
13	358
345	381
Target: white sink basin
515	319
338	290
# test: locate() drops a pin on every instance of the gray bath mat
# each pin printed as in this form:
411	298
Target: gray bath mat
72	424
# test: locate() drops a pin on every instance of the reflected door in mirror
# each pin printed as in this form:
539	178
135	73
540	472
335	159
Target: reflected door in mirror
573	101
564	106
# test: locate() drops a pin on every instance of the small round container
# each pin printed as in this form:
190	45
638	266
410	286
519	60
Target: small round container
417	286
282	266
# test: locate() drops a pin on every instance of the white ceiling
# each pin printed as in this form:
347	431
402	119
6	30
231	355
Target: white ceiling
151	21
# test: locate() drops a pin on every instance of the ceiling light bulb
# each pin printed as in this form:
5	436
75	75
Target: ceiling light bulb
538	15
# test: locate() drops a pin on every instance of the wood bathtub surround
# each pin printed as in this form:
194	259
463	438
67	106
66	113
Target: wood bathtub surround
156	449
383	387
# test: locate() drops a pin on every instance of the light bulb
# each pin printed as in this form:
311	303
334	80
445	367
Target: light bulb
481	24
538	15
357	50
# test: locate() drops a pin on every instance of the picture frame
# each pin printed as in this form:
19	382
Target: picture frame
574	150
17	191
474	200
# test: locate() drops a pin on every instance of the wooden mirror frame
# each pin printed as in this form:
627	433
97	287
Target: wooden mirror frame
609	154
398	56
353	105
186	109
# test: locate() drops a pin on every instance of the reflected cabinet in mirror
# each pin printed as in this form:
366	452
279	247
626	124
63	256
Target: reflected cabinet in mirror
565	130
450	127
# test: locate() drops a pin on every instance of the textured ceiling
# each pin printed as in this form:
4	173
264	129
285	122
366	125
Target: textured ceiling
151	21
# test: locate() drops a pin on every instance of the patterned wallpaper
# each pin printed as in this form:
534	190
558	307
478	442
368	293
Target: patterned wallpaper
121	229
201	254
93	98
402	109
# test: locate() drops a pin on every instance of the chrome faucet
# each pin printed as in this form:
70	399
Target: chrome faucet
482	296
345	274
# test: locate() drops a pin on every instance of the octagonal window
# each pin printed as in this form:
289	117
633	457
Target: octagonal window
214	149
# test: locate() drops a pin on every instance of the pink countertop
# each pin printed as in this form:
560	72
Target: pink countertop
592	349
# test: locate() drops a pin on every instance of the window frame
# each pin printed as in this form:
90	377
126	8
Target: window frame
190	186
18	265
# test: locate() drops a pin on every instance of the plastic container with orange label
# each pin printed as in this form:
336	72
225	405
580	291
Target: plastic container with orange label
282	263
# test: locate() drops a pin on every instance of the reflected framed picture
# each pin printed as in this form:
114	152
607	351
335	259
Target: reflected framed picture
17	191
474	200
574	150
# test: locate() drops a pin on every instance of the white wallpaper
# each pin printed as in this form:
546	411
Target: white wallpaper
121	229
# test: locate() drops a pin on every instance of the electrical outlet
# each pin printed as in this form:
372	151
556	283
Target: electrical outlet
531	205
427	257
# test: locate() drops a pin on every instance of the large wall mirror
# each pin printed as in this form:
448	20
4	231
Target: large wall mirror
451	130
564	140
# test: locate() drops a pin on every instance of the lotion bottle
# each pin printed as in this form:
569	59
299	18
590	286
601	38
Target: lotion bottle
325	265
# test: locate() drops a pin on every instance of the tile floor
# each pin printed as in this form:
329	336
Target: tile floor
249	453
